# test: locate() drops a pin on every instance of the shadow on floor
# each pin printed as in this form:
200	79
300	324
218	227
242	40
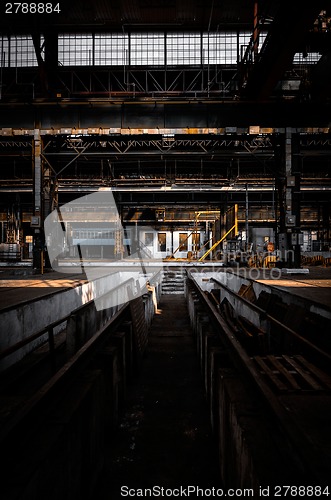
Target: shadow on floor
164	437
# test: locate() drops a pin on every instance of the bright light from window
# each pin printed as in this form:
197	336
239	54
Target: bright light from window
111	49
183	48
75	50
147	49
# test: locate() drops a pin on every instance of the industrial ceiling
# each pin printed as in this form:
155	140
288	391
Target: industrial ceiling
142	14
140	126
292	27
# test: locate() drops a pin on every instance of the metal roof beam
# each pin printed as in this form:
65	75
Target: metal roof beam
287	32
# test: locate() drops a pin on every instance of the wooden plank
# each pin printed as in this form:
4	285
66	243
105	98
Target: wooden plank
322	377
281	368
306	376
273	377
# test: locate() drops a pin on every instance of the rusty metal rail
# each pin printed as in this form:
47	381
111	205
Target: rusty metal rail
324	358
49	329
34	406
266	376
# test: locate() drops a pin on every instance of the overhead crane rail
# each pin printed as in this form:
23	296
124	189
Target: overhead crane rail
308	135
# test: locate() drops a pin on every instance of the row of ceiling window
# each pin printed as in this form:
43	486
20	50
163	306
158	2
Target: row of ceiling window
137	49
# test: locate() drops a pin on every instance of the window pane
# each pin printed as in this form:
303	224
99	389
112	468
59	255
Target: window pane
75	50
220	48
311	58
22	52
147	49
183	48
111	49
162	245
183	242
244	40
4	57
149	239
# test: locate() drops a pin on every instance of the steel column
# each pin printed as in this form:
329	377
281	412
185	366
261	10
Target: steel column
38	242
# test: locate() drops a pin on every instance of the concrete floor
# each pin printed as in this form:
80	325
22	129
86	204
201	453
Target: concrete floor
164	437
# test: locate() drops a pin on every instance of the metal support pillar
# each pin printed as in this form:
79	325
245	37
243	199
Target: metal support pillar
49	197
246	220
297	235
326	224
255	31
292	201
36	222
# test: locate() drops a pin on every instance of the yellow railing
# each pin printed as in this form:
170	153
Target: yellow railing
234	227
217	243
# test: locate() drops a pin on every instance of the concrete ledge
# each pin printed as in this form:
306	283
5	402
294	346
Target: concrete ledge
25	319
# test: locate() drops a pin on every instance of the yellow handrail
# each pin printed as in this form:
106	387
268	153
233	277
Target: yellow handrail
218	242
